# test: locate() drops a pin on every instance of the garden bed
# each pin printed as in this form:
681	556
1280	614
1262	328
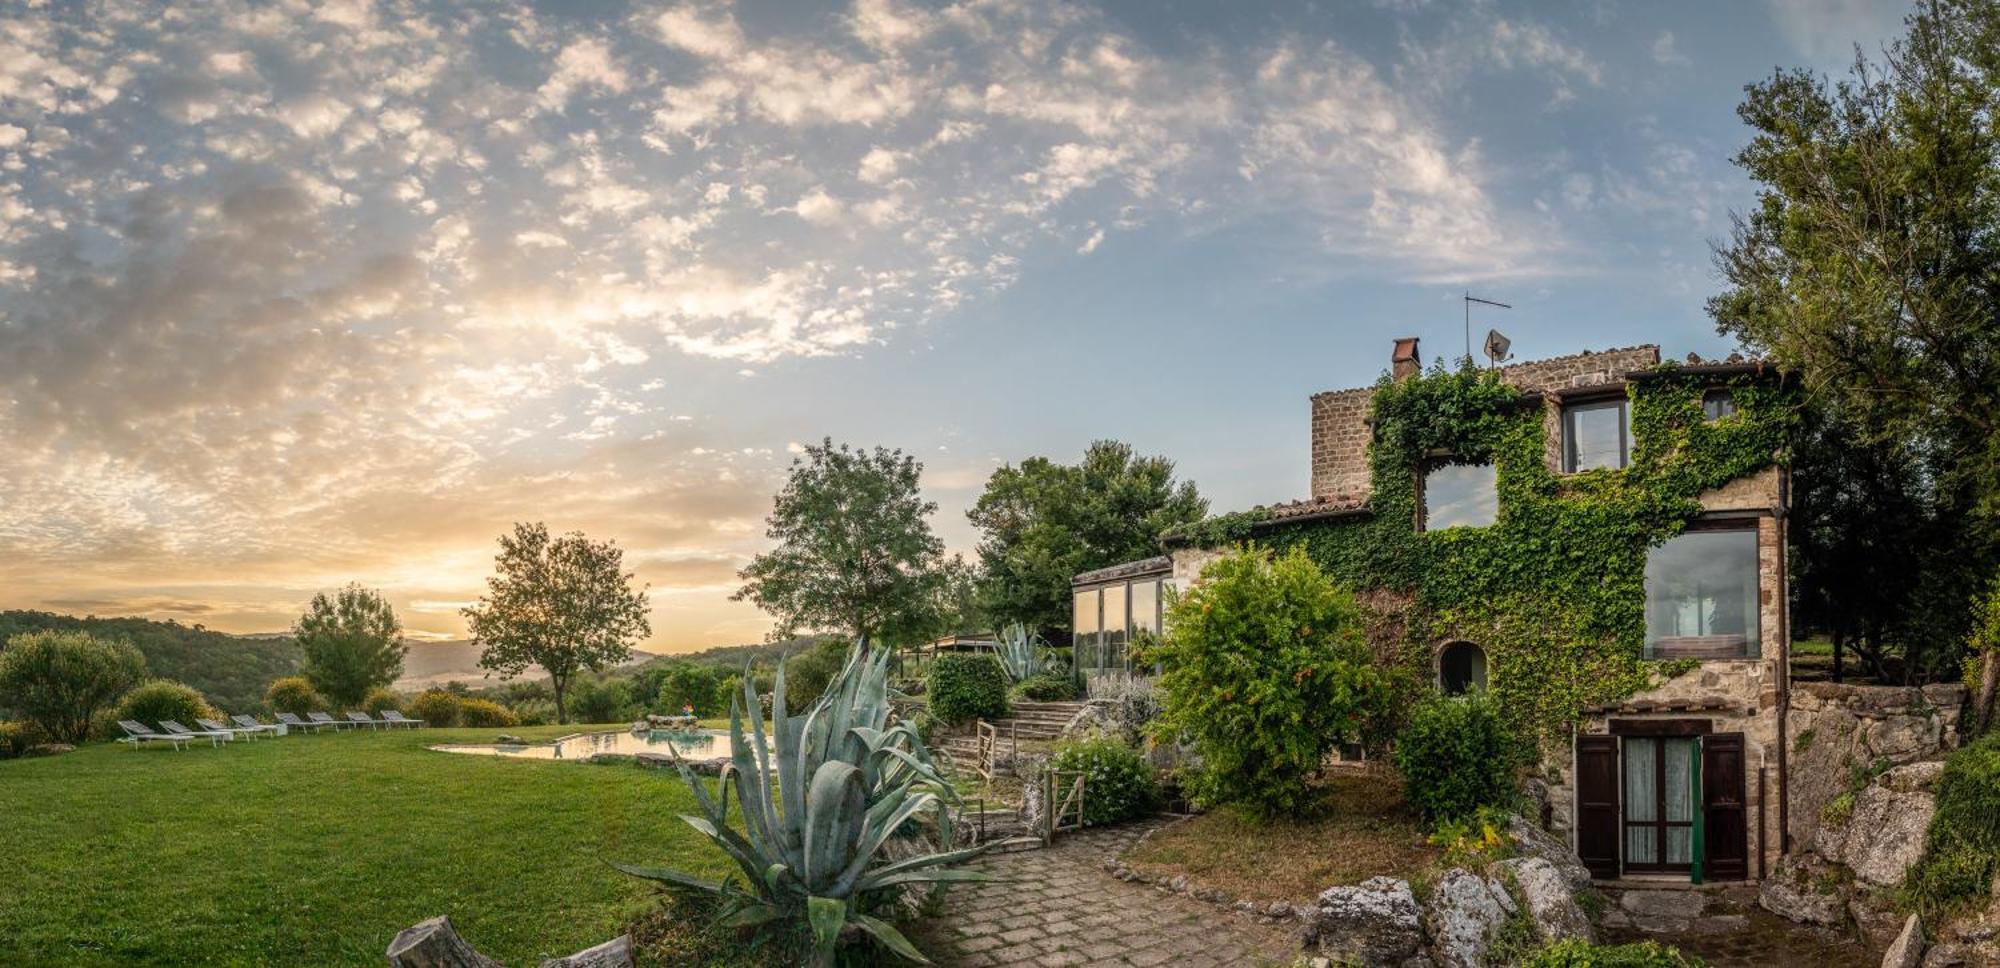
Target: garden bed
1365	829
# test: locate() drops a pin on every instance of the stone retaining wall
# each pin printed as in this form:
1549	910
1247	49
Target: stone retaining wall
1839	729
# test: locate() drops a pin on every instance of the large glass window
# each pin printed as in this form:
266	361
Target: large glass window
1596	435
1146	606
1114	627
1701	596
1717	404
1461	668
1460	496
1083	622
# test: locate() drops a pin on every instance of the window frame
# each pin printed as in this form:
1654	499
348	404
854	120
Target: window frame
1752	648
1622	404
1726	395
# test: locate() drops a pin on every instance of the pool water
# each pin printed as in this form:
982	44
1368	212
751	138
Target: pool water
692	745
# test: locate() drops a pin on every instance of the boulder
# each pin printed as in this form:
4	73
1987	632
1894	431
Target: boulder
1530	840
1372	923
1907	951
48	749
1875	917
1464	913
1549	898
1886	834
1801	891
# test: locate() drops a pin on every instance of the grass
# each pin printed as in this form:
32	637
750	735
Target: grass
1365	829
316	850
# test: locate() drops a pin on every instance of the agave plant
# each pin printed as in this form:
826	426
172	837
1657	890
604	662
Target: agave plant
821	800
1020	651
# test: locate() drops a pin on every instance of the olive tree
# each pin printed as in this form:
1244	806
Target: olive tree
59	680
352	643
565	604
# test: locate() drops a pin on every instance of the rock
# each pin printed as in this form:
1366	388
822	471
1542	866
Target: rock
1902	738
1907	950
1664	905
1718	924
1797	893
1549	898
1946	955
1531	840
48	749
508	739
1465	911
1886	835
1372	923
1875	918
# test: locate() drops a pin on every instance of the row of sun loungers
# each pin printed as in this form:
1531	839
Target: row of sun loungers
172	732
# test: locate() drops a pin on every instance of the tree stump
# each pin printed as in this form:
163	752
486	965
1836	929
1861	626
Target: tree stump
436	944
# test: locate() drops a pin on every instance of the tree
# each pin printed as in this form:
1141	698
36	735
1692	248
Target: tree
352	643
564	604
1870	266
59	680
855	551
1265	669
1045	522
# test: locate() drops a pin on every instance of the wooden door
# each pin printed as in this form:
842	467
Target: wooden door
1727	856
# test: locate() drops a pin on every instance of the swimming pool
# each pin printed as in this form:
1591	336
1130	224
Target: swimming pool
692	745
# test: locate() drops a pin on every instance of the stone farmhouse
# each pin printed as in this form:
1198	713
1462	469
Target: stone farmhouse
1678	773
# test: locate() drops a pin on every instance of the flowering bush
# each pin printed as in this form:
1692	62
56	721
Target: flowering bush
157	699
485	712
295	695
436	707
379	699
1118	783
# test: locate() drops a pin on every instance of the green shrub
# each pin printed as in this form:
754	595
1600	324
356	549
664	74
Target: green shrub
379	699
808	673
967	686
534	712
436	707
1457	755
1118	783
157	699
17	736
1962	848
1046	687
1265	671
600	700
485	713
1577	953
61	680
295	695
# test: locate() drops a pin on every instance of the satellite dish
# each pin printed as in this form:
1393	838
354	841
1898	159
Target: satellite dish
1497	346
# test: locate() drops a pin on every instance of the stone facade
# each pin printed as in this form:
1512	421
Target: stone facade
1339	418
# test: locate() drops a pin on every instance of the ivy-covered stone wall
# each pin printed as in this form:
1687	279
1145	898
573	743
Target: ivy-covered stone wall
1554	592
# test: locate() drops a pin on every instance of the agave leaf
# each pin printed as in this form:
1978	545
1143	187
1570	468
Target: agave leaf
672	878
891	938
827	916
750	915
835	810
951	875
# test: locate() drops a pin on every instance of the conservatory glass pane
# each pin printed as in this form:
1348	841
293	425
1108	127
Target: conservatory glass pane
1146	606
1114	627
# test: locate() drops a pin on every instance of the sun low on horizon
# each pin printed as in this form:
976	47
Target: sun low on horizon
299	294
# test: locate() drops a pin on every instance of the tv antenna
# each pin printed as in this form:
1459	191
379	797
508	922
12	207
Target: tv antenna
1469	300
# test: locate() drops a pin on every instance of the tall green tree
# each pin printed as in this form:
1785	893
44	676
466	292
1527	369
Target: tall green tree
855	551
59	680
352	643
1044	522
565	604
1870	266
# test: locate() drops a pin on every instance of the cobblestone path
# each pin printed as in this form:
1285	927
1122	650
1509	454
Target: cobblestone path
1059	907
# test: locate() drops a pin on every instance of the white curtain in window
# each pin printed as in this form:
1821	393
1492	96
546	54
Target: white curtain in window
1680	797
1642	799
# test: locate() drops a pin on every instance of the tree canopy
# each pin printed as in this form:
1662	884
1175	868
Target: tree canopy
1044	522
1870	267
59	680
565	604
855	552
352	643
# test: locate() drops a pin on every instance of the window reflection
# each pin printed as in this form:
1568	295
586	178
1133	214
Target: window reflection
1460	496
1702	597
1595	435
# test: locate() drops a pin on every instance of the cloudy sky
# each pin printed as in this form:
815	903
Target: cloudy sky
293	294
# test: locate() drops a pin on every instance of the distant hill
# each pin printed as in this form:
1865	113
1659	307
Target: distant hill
436	663
231	670
732	657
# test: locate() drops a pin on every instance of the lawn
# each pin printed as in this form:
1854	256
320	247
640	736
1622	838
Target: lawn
317	849
1363	828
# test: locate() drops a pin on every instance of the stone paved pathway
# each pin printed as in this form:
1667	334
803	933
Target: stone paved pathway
1059	907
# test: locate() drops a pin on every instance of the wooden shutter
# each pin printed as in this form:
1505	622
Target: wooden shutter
1597	804
1727	857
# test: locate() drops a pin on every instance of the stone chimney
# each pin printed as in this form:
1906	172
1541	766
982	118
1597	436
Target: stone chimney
1404	363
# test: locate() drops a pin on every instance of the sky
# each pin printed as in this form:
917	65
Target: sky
300	294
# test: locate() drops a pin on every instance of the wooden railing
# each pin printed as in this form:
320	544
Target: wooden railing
1062	794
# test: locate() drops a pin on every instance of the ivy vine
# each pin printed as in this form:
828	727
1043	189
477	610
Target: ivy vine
1554	591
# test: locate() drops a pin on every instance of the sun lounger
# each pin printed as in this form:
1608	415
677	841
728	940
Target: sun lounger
395	718
138	734
326	719
215	726
361	719
176	729
292	720
250	722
